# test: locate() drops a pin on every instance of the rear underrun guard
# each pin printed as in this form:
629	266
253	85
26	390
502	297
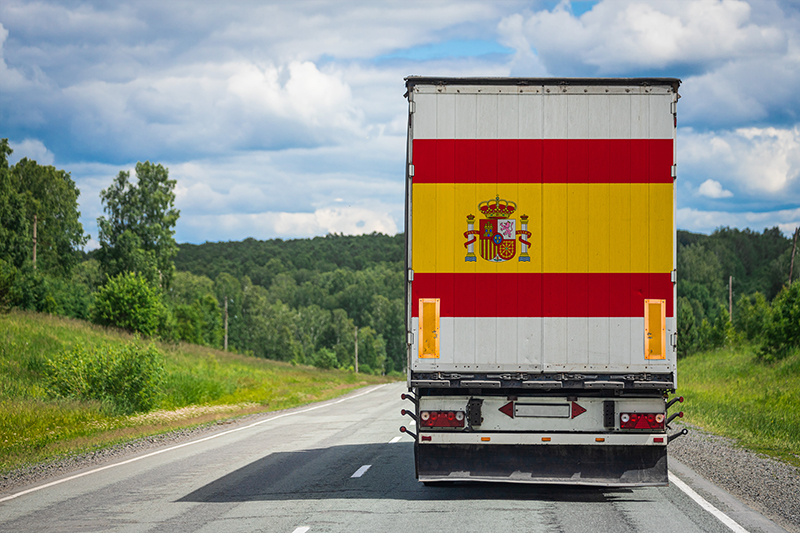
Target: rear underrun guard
623	466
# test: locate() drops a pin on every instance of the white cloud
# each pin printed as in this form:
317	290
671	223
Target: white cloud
701	221
268	225
762	161
32	149
618	34
713	189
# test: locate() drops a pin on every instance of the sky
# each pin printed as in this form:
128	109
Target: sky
287	119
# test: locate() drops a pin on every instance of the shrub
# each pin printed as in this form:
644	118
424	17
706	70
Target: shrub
127	378
782	327
325	359
750	314
129	302
7	276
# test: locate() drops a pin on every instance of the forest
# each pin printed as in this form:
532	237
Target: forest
309	301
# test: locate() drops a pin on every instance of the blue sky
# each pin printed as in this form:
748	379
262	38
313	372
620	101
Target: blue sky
287	119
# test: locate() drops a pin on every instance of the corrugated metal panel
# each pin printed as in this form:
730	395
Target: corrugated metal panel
590	165
541	344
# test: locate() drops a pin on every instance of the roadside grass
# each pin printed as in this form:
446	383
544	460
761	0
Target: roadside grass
200	385
729	392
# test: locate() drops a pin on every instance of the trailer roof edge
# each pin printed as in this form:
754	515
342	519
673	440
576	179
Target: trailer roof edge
411	81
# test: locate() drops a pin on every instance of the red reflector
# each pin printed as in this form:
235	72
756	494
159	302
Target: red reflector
426	437
441	419
641	421
659	440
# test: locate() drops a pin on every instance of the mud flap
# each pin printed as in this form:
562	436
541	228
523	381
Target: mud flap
623	466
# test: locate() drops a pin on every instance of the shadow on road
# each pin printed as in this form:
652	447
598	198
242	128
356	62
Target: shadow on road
325	473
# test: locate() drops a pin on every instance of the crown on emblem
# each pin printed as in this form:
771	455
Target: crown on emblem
497	208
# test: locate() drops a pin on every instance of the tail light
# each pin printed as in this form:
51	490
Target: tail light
641	420
441	419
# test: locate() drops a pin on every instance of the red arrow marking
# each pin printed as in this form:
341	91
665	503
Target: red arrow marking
577	410
508	409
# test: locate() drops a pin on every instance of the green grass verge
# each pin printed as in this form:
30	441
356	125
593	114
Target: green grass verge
729	392
200	385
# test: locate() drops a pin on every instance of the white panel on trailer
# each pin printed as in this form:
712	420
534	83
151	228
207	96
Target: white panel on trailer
599	338
620	342
465	343
619	119
640	116
466	116
625	340
424	116
507	338
530	344
486	342
487	116
446	116
554	342
599	110
662	121
555	113
578	116
508	116
578	341
530	116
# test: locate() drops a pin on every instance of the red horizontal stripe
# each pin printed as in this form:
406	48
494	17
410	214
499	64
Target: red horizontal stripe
543	160
542	295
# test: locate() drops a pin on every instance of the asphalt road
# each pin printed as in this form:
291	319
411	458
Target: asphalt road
338	466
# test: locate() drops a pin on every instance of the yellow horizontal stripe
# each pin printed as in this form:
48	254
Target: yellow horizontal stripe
576	228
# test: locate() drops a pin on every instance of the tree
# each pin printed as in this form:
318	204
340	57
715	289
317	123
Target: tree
32	195
782	328
14	226
138	235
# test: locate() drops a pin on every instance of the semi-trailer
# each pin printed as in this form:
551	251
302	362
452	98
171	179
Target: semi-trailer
540	279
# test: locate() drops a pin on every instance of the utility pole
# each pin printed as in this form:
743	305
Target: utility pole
730	298
794	248
226	325
356	357
35	220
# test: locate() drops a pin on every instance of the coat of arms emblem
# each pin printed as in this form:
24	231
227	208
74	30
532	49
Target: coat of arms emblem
497	233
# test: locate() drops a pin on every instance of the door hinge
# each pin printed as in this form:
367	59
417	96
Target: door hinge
674	171
410	338
411	107
673	108
410	274
673	276
411	171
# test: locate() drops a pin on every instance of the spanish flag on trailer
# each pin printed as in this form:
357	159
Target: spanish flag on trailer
541	219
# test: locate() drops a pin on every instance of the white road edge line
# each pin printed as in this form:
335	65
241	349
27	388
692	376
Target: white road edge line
722	517
76	476
301	529
361	471
396	439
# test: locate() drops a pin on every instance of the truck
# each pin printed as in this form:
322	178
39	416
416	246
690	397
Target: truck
541	279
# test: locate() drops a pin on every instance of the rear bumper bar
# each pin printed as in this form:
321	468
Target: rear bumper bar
608	466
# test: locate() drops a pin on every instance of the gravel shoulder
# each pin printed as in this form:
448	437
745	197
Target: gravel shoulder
768	486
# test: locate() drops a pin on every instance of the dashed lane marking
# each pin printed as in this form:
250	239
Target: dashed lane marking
396	439
301	529
360	472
